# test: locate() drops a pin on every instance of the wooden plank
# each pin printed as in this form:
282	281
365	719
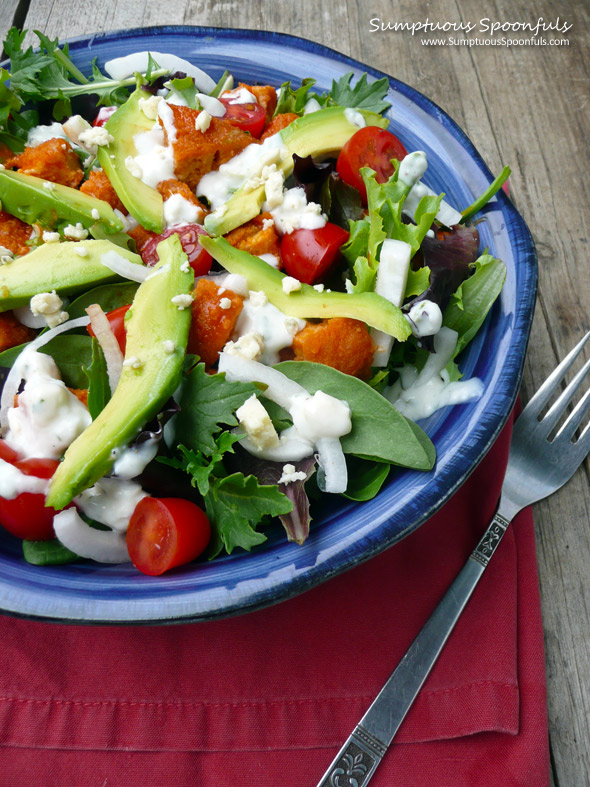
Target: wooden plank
9	9
525	106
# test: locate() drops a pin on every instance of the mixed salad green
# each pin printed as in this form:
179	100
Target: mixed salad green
217	303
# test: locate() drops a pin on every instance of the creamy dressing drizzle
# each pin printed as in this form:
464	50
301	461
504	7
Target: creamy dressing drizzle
411	169
418	395
218	186
48	417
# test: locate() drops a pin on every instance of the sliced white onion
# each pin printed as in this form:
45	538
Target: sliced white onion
122	67
104	546
128	270
383	344
12	383
280	388
26	317
108	343
331	460
212	105
291	448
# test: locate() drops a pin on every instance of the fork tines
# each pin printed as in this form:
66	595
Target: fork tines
548	423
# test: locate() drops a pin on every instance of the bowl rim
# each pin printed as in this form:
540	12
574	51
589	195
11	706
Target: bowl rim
511	373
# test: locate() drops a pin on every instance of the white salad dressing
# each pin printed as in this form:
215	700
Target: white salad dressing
40	134
354	117
178	210
411	169
294	212
319	416
133	460
276	329
418	395
319	421
48	417
154	161
14	483
111	501
218	186
311	105
425	318
240	95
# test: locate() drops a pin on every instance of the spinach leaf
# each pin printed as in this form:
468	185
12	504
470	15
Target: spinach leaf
99	389
48	553
379	432
207	401
70	353
108	297
365	479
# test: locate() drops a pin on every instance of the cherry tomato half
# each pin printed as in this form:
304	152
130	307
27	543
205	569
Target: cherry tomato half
103	115
26	516
116	320
199	259
166	532
248	117
369	147
309	255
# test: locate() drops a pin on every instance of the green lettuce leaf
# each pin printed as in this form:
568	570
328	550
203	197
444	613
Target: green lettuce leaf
362	95
207	402
290	100
379	432
236	505
474	298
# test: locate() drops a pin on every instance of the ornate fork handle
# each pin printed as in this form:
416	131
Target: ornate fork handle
357	760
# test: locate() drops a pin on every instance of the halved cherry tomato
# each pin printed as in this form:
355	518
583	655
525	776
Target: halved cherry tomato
116	320
248	117
309	255
26	516
369	147
199	259
103	115
166	532
7	453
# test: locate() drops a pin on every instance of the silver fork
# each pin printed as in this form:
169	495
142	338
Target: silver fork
538	465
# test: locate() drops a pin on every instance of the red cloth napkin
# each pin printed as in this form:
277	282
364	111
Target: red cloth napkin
268	698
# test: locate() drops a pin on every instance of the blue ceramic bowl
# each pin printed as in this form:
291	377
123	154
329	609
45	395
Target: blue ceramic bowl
345	534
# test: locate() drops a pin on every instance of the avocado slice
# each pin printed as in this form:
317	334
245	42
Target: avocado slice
143	202
316	134
57	266
308	303
30	199
152	321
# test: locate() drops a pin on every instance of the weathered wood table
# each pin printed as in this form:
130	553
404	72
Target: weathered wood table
526	106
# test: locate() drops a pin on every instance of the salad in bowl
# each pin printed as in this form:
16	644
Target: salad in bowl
220	302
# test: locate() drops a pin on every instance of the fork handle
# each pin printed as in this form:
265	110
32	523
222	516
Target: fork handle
357	760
